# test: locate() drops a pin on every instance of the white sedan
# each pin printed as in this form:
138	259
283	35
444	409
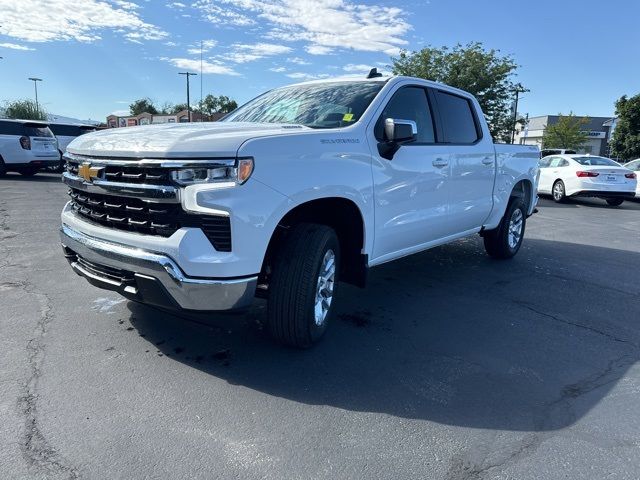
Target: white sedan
634	166
586	176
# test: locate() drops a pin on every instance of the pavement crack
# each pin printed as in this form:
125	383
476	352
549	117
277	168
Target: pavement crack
465	467
36	450
577	325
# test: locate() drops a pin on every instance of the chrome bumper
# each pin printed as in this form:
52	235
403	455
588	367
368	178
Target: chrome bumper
150	277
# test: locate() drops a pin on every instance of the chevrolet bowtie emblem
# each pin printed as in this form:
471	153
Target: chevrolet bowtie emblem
88	172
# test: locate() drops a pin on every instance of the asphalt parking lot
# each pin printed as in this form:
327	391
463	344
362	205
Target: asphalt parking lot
448	366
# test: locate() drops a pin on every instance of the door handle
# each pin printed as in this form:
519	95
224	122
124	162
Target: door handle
440	163
487	161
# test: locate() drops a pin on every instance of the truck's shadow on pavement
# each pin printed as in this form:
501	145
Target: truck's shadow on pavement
448	336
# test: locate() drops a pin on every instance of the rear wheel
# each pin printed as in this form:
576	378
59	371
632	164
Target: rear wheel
303	285
614	202
559	193
505	241
3	169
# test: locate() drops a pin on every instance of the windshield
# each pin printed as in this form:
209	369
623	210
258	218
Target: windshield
596	161
327	105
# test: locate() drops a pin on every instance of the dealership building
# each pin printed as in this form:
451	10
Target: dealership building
598	131
115	121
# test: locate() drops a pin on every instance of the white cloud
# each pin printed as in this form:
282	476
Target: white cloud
318	50
278	69
243	53
361	69
32	21
324	25
298	61
206	46
356	68
194	66
177	5
15	46
222	16
306	76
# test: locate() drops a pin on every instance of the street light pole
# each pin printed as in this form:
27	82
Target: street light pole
188	74
519	89
35	85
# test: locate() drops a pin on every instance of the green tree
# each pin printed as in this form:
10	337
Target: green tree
178	108
25	109
143	105
222	104
568	132
483	73
626	136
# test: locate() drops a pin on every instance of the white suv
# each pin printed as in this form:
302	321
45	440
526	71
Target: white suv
26	146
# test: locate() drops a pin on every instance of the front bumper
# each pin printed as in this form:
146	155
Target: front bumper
150	277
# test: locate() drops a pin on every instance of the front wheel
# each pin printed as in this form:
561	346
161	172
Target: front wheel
615	202
505	241
559	192
303	285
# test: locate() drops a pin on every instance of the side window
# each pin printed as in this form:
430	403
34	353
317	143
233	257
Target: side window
409	103
457	117
555	162
544	162
564	163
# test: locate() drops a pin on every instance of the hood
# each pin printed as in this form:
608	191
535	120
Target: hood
177	140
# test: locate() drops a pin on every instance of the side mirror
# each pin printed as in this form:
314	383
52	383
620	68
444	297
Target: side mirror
400	131
397	132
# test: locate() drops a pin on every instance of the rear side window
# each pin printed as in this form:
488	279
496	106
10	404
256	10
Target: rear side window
409	103
596	161
458	120
11	128
36	130
65	130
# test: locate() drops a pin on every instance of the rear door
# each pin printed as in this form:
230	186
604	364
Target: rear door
412	189
472	161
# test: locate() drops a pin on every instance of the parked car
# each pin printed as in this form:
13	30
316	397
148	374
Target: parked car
564	176
26	146
301	188
65	133
556	151
634	166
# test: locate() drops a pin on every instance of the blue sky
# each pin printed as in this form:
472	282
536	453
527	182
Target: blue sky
97	56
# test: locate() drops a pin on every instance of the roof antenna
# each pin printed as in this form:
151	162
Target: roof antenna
373	73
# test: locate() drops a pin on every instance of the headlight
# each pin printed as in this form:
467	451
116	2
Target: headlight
237	173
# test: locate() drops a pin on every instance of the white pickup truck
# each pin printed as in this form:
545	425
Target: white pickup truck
303	187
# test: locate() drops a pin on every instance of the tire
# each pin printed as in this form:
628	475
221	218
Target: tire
614	202
558	192
3	169
295	282
28	172
504	241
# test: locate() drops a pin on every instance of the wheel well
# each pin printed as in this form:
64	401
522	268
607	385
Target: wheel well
344	217
523	189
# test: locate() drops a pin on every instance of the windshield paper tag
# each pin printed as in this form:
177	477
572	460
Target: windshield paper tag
348	117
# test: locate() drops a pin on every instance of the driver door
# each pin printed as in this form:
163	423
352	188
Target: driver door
412	189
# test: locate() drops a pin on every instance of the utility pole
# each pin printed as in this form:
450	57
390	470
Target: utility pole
188	74
35	85
201	45
518	90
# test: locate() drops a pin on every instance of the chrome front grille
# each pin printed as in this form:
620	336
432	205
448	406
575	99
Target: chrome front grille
137	198
129	174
